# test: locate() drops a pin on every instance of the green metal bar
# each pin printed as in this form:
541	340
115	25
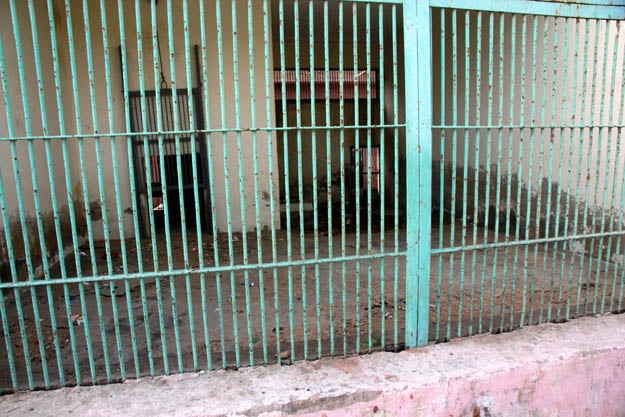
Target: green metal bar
300	175
85	190
313	141
326	66
247	129
567	219
517	234
242	199
211	184
101	186
465	162
157	67
342	164
419	173
70	196
20	199
508	221
287	184
478	99
579	167
617	251
148	179
355	157
134	208
257	204
395	80
454	164
560	160
499	159
196	192
118	202
530	176
603	115
369	203
272	174
225	144
588	210
45	263
249	267
441	213
548	224
183	222
541	173
9	240
489	140
545	8
381	63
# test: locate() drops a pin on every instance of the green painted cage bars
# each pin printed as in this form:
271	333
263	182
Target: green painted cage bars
218	184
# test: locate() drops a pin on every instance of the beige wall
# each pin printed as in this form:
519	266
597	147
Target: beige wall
97	119
569	98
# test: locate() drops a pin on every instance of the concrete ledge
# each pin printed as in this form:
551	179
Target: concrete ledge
571	369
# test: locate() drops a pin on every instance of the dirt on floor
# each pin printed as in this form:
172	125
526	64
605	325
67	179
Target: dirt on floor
125	328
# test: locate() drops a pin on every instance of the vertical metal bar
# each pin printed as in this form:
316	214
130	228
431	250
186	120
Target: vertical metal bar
20	199
588	209
101	186
242	199
618	131
500	79
454	163
441	169
148	181
225	144
609	119
157	67
257	192
519	190
508	209
57	227
342	165
558	222
133	192
70	199
287	184
118	203
9	235
604	116
211	185
581	122
417	31
478	100
530	177
271	169
369	186
570	168
196	192
541	173
313	151
355	157
326	66
548	224
382	169
489	139
85	190
183	222
300	175
465	162
395	80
